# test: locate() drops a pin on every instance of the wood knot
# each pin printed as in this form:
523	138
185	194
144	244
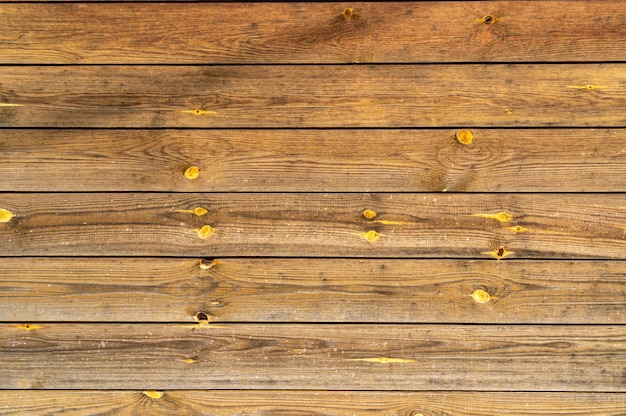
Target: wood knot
348	13
5	215
369	214
205	231
465	137
488	20
481	296
192	172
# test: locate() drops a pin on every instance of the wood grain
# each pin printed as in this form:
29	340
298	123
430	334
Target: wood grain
475	95
521	160
315	225
313	357
314	33
311	290
322	403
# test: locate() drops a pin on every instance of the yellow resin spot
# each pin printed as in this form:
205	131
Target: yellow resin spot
5	215
199	211
190	360
29	327
517	229
205	264
205	232
10	105
385	360
464	137
480	296
587	87
153	394
198	112
370	236
369	214
192	172
498	216
499	253
487	20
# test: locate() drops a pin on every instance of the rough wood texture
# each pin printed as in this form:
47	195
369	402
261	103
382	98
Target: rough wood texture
470	31
347	357
314	96
322	403
311	290
316	225
524	160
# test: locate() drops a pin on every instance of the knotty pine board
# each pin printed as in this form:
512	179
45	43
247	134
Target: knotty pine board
312	290
494	226
312	357
204	33
338	160
322	403
287	96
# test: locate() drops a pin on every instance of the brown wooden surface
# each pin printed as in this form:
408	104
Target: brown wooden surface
323	403
458	96
520	160
311	290
316	225
354	357
314	33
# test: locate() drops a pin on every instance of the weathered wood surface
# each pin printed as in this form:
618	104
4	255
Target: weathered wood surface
311	290
346	357
521	160
322	403
315	225
468	31
474	95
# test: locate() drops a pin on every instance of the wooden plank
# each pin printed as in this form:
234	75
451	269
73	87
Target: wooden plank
552	160
272	402
468	31
311	290
315	225
287	96
292	356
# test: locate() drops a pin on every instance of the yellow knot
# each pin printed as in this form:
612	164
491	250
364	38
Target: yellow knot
369	214
370	236
205	232
498	216
499	253
480	296
518	229
153	394
488	20
464	137
205	264
192	172
5	215
29	327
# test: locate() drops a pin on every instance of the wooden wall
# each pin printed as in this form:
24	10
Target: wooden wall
228	208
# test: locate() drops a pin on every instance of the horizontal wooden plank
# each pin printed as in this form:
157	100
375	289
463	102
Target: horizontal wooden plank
311	290
468	31
286	96
272	402
291	356
314	225
551	160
